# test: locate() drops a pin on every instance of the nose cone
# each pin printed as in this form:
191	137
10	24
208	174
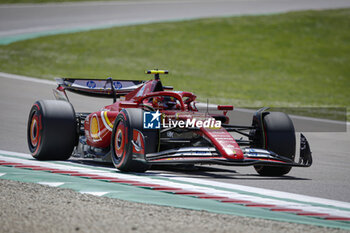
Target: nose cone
224	142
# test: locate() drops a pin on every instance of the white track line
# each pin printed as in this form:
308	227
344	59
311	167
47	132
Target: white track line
26	78
52	184
262	191
266	192
23	155
94	193
291	202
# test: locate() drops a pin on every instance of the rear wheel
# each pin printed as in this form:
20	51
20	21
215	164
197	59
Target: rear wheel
130	142
279	137
52	130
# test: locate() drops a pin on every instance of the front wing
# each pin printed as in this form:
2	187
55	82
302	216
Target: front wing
209	155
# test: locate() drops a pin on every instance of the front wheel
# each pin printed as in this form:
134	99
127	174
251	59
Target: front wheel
279	137
130	142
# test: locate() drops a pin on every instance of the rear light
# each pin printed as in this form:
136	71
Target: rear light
225	107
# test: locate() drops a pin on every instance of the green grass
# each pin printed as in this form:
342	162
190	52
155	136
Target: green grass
292	59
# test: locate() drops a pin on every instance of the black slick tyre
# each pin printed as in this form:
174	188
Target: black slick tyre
123	146
279	137
51	130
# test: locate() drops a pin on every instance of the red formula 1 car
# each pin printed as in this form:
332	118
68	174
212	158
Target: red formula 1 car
149	124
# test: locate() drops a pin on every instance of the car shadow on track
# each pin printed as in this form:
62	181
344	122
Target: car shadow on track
214	173
191	171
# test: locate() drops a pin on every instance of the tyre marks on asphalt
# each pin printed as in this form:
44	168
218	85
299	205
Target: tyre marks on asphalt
162	191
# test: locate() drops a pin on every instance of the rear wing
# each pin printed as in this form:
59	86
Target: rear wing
98	87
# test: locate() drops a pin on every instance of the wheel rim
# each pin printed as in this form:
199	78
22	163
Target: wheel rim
34	131
119	141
